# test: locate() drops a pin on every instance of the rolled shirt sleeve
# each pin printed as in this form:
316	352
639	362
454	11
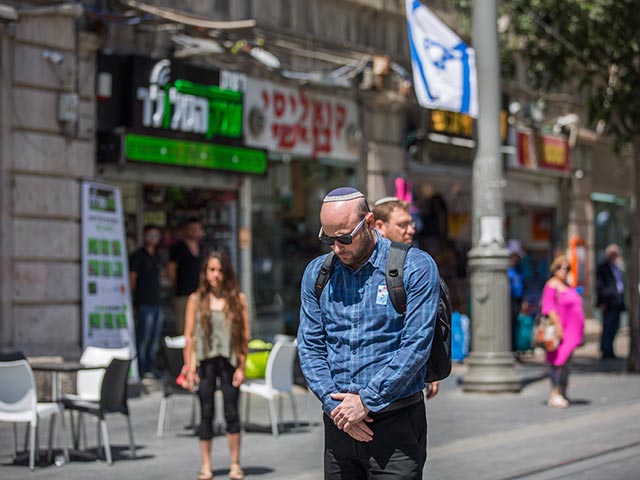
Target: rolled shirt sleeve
312	342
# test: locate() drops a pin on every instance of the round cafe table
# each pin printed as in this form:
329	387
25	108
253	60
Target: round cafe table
66	366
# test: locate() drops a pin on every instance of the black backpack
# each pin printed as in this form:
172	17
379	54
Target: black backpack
439	363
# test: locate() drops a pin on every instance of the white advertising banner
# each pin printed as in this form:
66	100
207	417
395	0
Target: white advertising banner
291	120
107	315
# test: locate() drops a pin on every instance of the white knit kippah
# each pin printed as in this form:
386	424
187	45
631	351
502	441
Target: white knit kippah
342	194
384	200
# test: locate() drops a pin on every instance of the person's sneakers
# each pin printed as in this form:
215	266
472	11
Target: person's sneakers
558	401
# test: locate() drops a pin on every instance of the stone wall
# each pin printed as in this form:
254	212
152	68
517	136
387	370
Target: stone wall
42	163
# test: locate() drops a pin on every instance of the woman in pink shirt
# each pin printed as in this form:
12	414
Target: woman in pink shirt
563	305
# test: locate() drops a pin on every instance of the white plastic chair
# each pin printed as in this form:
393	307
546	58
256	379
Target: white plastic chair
172	354
278	381
89	382
18	403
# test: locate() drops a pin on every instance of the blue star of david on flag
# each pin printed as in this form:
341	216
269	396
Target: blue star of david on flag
444	73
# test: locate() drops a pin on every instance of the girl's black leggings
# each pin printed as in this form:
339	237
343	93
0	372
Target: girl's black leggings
210	371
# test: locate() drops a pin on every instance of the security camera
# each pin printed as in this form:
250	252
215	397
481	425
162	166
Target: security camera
53	56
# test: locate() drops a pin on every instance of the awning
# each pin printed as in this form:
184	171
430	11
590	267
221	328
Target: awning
188	19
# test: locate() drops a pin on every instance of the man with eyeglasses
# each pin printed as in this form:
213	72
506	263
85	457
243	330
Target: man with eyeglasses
392	219
362	359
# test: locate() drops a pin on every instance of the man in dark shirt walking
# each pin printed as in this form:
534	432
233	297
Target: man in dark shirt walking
610	290
183	269
145	265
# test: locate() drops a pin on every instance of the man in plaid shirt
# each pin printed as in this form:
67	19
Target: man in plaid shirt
361	358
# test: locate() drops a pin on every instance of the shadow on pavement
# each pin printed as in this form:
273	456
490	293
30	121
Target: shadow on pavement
251	470
285	427
595	365
119	453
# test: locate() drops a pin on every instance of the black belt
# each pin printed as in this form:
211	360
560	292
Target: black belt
402	403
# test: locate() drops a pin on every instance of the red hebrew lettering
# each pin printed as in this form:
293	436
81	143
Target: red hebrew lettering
303	131
286	135
341	114
305	106
317	113
279	103
321	140
321	128
294	104
265	100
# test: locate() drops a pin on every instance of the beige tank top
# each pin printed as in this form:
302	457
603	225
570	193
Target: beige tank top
219	343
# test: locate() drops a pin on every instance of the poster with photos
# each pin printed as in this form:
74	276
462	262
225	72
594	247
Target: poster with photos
107	314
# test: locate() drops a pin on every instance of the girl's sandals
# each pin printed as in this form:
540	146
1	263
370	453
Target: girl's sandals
205	474
235	472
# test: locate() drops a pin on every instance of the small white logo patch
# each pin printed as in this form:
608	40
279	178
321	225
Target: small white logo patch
383	295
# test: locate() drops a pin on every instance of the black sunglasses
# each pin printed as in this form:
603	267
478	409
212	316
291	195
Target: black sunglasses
343	239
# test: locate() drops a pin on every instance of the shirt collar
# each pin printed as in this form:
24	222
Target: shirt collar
382	246
377	255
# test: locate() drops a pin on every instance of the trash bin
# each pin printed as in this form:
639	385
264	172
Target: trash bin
256	365
459	336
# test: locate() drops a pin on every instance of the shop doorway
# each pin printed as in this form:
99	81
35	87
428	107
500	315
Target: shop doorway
168	207
286	219
611	217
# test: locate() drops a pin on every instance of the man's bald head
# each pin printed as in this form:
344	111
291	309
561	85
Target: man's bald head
342	205
342	210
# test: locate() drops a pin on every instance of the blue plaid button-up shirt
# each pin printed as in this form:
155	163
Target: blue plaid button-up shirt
353	340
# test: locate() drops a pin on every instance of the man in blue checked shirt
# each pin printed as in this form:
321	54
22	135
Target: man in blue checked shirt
362	359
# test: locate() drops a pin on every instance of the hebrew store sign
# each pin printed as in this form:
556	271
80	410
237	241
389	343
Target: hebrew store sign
299	122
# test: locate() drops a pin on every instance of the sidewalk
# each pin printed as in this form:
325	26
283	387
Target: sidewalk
471	436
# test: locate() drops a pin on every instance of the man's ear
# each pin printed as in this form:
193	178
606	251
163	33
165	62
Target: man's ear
380	226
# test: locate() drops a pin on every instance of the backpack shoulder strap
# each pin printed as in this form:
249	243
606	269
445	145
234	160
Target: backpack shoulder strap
325	273
394	274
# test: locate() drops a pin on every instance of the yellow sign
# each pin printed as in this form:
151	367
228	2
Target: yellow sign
459	125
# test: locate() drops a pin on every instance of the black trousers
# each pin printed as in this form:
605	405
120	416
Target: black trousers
610	325
209	371
559	375
398	449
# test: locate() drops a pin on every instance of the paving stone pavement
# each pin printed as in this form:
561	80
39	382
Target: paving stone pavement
476	436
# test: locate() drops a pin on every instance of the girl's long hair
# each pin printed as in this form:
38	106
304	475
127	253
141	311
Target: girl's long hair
232	308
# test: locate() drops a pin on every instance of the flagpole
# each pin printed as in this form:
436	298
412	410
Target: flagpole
491	363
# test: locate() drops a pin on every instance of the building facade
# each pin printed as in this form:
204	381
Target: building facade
325	100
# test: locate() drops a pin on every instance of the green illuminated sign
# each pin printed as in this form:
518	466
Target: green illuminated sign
188	107
186	153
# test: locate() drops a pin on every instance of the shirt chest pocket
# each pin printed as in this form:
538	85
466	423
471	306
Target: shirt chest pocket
380	312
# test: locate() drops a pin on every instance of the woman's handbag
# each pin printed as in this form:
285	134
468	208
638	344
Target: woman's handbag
545	334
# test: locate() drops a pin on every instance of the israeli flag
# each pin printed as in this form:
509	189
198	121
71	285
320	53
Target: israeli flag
444	69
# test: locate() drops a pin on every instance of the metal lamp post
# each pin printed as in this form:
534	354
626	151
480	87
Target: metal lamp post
491	363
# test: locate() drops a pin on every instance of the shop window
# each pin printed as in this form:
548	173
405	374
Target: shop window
286	207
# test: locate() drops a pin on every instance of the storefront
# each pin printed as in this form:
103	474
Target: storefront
441	179
311	140
172	140
536	205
